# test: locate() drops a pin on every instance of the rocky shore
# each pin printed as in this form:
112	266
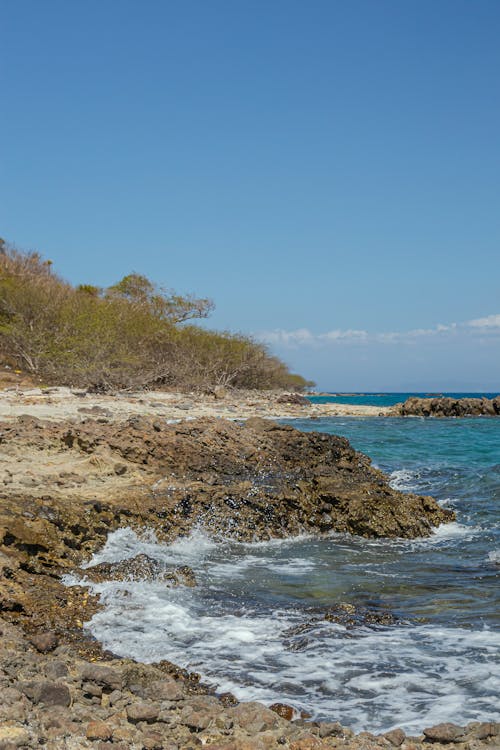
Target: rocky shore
448	407
65	485
51	697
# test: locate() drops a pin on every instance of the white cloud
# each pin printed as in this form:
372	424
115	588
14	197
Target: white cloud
304	337
491	321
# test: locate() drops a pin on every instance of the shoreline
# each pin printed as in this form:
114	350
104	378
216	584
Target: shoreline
70	480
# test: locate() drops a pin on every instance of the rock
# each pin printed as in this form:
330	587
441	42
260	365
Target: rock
396	737
283	710
107	677
15	736
52	694
98	730
142	712
196	719
254	717
446	732
484	730
141	568
165	690
44	642
293	398
331	729
448	407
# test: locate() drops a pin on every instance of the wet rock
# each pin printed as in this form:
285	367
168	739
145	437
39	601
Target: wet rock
143	711
52	694
396	737
283	710
141	567
44	642
446	732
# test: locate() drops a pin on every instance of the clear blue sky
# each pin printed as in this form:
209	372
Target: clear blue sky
317	168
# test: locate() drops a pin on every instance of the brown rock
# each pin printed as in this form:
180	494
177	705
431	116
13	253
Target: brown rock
446	732
142	712
98	730
44	642
52	694
13	736
254	717
396	737
283	710
107	677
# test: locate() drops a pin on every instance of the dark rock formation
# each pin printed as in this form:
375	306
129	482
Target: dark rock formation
448	407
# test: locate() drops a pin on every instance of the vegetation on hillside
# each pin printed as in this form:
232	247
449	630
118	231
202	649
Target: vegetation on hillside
133	334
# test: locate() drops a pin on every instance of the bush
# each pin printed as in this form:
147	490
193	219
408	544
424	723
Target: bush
132	334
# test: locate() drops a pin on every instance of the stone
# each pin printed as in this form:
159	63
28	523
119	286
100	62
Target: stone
283	710
107	677
52	694
396	737
98	730
196	720
44	642
142	712
165	690
446	732
13	736
254	717
331	729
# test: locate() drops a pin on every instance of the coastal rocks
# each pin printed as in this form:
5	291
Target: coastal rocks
448	407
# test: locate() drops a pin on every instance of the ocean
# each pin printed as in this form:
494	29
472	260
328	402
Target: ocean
255	623
387	399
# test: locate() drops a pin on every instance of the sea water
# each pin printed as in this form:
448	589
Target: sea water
240	627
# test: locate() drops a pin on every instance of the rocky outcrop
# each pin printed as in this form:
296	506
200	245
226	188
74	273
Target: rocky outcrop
448	407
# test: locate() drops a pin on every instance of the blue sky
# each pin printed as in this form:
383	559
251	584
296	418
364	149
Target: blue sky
317	168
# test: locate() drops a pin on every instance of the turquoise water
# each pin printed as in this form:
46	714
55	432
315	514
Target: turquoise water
255	623
386	399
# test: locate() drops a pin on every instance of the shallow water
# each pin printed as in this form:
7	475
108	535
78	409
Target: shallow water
439	663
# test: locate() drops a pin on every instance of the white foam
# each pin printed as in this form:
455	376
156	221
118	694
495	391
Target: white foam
409	676
402	479
494	556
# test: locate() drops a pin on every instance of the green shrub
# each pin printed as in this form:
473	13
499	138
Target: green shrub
132	334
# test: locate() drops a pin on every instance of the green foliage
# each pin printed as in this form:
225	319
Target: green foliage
128	335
